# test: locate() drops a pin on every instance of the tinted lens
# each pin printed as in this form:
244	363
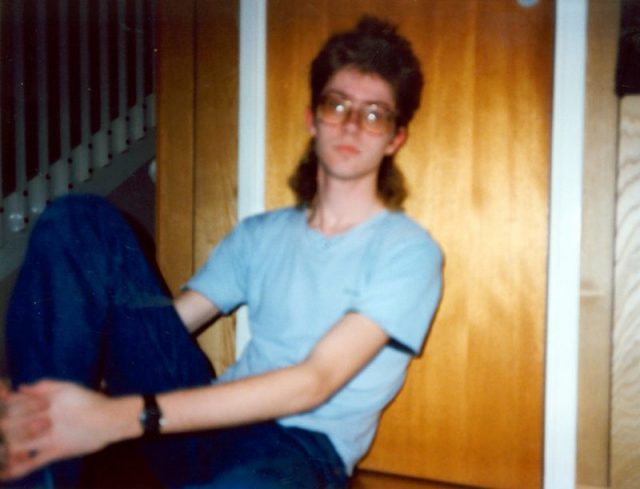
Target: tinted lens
334	109
376	119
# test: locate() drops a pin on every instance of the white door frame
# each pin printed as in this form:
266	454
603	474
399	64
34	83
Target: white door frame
563	288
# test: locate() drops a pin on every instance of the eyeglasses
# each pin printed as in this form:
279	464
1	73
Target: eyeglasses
374	118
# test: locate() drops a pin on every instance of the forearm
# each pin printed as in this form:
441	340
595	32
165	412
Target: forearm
122	418
254	399
338	356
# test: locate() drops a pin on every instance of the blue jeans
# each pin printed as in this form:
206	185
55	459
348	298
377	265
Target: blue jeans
88	307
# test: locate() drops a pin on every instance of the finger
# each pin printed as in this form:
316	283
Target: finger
5	388
5	392
42	387
21	459
4	452
20	464
20	404
19	431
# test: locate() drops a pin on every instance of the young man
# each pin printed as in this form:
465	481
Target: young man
341	290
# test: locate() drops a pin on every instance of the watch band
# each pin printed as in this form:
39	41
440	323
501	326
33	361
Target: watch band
151	416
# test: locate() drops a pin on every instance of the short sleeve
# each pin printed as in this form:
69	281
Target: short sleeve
403	291
223	277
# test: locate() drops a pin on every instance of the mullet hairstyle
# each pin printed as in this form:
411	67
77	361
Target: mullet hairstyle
372	48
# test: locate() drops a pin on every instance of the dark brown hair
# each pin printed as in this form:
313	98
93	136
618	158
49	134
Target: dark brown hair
373	47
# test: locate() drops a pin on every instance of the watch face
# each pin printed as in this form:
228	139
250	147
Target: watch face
151	416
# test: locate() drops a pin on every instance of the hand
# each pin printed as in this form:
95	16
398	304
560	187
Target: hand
50	421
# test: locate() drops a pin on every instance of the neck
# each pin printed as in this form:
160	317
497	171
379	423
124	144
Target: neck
341	206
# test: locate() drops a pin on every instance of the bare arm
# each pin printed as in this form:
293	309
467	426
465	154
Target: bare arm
78	421
195	310
339	355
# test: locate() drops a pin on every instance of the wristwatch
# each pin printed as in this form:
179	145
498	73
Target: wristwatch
151	417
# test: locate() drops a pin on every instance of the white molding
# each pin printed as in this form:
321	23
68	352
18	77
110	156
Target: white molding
251	125
563	293
251	120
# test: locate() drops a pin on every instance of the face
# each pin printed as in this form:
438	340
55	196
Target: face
354	127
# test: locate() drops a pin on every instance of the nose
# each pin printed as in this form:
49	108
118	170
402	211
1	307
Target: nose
352	120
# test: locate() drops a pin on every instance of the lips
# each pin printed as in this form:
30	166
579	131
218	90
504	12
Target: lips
347	149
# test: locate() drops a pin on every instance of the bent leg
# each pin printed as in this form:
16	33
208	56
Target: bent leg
84	290
87	307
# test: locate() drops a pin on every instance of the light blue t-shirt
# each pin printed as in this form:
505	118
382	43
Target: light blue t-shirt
297	283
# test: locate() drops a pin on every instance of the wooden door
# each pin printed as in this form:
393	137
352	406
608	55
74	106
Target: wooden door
196	143
477	162
478	165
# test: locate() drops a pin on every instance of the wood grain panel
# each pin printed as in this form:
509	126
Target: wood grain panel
175	132
598	229
477	162
197	144
625	412
216	152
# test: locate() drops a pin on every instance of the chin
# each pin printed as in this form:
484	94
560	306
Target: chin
344	174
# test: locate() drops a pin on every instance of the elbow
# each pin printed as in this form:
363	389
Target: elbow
318	387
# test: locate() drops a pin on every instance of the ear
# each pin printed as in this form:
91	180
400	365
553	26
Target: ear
397	141
310	121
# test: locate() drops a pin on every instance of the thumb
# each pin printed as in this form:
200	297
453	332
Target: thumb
5	389
41	388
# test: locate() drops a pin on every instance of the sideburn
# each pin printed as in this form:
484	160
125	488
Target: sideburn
303	182
392	187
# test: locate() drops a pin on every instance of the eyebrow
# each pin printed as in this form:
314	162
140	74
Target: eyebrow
365	102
